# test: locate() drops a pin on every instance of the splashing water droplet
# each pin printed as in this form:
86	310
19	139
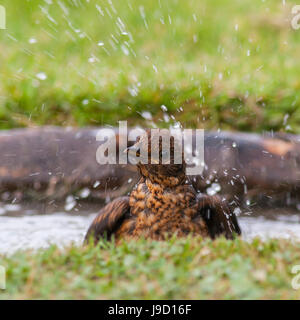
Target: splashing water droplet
164	108
41	75
125	50
32	40
96	184
85	193
146	115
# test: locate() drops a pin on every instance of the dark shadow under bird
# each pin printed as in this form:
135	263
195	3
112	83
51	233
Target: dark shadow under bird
163	203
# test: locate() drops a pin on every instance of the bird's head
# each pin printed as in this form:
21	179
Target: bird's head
159	156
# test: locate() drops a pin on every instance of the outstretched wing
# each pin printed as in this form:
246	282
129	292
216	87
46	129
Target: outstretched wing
218	217
108	220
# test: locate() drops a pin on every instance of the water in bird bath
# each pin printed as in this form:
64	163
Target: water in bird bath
25	228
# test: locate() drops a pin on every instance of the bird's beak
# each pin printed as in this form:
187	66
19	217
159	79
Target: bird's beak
132	148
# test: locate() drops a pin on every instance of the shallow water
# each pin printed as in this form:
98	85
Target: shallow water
33	232
23	228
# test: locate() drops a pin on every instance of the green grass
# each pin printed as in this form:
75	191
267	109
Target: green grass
177	269
229	64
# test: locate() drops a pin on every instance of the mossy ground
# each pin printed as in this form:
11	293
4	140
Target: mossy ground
177	269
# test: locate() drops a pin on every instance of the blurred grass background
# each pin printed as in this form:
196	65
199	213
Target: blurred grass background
212	63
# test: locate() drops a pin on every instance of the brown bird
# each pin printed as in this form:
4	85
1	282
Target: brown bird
163	203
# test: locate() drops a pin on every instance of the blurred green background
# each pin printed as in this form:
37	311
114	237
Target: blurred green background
209	64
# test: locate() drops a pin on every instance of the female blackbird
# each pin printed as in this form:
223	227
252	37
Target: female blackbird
164	202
